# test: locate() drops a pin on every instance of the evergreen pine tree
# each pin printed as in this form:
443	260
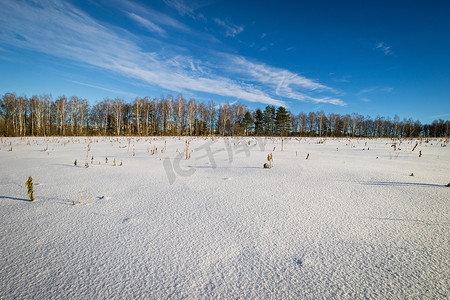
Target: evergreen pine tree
269	120
259	122
248	122
282	121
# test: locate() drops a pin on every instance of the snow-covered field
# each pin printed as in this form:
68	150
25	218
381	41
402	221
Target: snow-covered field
348	222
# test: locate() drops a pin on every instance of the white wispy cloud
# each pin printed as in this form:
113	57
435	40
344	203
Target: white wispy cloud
267	74
230	29
439	116
162	21
114	91
146	23
154	16
365	91
5	55
344	78
375	89
185	9
387	89
59	29
384	48
282	82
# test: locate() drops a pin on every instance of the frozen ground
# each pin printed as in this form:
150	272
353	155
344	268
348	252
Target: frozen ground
349	222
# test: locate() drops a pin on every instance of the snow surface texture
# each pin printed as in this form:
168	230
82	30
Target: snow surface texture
348	222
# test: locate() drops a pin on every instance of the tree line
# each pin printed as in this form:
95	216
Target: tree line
74	116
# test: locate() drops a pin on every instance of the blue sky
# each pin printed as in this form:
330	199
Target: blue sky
369	57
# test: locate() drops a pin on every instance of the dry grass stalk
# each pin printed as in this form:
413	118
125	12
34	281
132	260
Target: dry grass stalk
269	164
29	185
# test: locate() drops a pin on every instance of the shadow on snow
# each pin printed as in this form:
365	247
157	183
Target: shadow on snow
13	198
392	183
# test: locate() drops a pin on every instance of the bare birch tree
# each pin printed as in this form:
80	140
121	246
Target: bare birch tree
117	108
190	111
211	116
179	107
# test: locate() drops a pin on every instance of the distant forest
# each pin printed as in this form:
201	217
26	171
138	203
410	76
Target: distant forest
41	116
